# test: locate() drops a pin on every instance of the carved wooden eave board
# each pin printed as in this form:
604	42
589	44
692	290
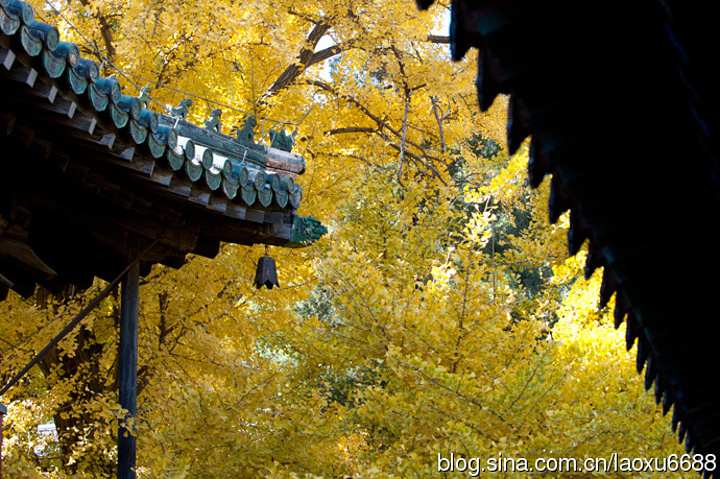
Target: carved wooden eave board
623	108
83	167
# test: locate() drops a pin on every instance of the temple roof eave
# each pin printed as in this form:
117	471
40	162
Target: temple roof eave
76	151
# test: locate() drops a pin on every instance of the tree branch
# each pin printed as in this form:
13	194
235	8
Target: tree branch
384	125
439	120
438	39
415	157
404	132
304	16
350	129
105	31
380	122
350	155
305	59
324	86
322	55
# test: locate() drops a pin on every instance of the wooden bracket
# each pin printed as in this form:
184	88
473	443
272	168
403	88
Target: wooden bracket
7	58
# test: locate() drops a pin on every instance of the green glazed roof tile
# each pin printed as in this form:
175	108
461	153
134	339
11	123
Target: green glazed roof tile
9	23
21	11
223	164
119	117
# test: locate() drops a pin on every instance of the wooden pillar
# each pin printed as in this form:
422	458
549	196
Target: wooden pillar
128	357
3	411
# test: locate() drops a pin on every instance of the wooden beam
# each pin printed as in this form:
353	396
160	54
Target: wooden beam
94	181
256	216
76	171
108	222
59	160
142	205
23	135
5	282
125	199
23	74
107	140
27	100
199	196
180	187
108	148
236	211
7	58
218	204
44	91
142	165
40	148
110	191
7	123
245	232
23	256
121	157
161	176
77	125
274	217
127	153
63	107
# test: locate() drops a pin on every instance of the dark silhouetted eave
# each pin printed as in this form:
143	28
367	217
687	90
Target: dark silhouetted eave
621	102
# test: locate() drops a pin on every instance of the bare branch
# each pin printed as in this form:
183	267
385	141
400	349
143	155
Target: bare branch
105	31
404	133
304	16
324	86
305	59
357	157
322	55
350	129
380	122
438	39
385	126
416	158
439	120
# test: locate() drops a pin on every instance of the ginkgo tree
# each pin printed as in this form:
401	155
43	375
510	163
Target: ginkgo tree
408	333
450	355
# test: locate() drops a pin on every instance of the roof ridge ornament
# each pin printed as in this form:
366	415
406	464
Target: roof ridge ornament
246	134
281	140
213	123
305	231
181	111
144	96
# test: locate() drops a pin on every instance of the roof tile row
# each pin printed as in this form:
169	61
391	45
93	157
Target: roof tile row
256	174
